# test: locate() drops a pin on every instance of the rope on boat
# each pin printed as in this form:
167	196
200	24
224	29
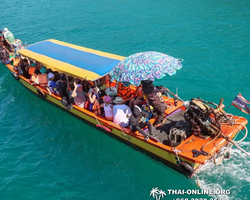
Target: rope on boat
197	180
176	151
228	150
235	142
210	142
97	120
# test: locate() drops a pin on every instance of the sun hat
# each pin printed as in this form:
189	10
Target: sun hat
118	100
43	70
5	29
107	99
50	75
79	85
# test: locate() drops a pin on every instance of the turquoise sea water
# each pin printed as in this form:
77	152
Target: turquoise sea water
48	154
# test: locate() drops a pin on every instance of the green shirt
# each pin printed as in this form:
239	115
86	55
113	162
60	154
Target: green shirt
9	36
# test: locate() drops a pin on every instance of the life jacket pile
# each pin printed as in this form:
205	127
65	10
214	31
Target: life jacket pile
126	93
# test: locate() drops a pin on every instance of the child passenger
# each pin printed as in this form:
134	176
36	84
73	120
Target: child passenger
108	108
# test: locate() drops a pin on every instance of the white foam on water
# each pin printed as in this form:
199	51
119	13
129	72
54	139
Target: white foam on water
232	174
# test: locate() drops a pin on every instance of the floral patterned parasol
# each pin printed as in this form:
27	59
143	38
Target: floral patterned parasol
144	66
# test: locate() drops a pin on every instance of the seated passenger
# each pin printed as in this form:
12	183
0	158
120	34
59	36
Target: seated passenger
159	107
38	65
57	76
61	87
70	82
32	68
4	55
103	83
51	82
48	71
43	79
85	85
108	108
94	103
138	98
15	62
138	121
121	112
148	109
25	68
79	95
6	43
3	41
34	77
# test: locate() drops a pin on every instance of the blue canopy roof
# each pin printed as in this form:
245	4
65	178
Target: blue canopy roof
72	59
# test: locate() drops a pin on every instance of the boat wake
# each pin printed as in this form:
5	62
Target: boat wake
233	174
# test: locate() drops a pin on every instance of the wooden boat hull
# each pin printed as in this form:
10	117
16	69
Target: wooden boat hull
166	157
180	160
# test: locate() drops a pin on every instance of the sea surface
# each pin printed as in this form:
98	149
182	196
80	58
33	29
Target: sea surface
48	154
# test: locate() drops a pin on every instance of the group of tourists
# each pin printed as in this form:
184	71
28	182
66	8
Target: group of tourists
146	101
134	112
127	108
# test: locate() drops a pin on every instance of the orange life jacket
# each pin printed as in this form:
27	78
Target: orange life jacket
138	91
32	70
124	92
43	80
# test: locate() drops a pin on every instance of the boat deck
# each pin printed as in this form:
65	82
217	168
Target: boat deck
162	132
192	142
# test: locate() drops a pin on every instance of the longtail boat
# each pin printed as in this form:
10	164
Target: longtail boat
195	132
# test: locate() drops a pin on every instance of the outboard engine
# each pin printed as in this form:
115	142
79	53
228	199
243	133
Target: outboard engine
198	115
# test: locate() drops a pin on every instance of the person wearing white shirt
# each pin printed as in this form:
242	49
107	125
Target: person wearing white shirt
121	112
